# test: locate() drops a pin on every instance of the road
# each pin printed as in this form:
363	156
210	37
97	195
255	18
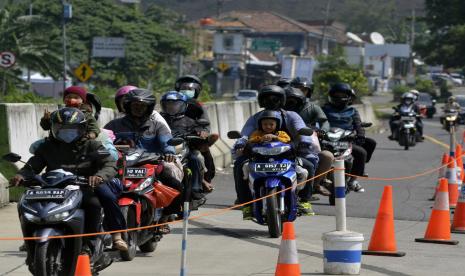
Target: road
225	245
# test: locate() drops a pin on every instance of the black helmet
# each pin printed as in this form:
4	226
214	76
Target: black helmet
303	83
189	82
271	97
283	82
269	114
295	99
68	124
178	103
140	95
341	95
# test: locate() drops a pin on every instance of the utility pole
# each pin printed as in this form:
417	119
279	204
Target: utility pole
63	2
324	43
28	69
181	56
412	43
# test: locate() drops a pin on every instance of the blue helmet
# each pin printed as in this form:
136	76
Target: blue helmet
173	103
269	114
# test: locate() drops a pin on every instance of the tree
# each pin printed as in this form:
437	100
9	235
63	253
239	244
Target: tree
443	42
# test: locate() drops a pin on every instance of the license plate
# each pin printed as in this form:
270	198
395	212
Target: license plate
407	118
46	194
135	172
340	145
266	167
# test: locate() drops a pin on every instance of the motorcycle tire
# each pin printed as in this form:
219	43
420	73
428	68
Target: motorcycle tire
406	141
273	217
129	237
49	258
148	247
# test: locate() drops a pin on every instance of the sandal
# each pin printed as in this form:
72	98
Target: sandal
207	187
120	245
165	229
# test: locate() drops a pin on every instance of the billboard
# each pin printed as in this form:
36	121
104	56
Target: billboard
108	47
293	66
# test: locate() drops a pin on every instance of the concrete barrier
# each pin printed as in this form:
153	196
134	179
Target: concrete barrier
4	194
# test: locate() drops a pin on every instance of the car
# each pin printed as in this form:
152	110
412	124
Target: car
461	101
457	79
246	95
427	104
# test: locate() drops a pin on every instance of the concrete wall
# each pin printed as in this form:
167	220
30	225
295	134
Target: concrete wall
4	194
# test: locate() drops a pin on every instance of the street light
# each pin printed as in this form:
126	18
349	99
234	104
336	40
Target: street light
67	14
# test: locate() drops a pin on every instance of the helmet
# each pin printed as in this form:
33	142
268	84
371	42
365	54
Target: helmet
283	82
415	93
451	99
340	95
295	99
271	97
120	93
189	85
173	103
269	114
303	84
408	98
142	96
68	124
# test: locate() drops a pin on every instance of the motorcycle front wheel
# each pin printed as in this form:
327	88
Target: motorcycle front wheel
49	258
273	217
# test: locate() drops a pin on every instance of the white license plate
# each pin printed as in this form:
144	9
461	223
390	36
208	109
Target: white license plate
135	172
267	167
46	194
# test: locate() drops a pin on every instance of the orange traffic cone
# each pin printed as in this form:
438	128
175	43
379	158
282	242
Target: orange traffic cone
442	173
83	266
438	230
459	164
458	223
383	239
451	175
288	263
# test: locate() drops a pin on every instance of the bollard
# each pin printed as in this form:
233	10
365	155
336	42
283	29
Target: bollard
342	249
184	239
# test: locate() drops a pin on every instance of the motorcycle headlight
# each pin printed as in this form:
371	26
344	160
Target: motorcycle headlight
31	217
58	217
271	151
144	184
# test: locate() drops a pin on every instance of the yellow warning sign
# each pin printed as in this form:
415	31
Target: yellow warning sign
83	72
223	66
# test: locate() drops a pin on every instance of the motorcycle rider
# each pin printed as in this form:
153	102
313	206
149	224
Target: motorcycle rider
273	97
191	86
452	104
407	103
305	85
138	129
174	105
63	150
340	114
314	118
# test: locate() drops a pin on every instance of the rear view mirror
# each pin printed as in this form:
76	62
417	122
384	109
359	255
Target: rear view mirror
234	134
305	131
175	141
203	122
11	157
367	124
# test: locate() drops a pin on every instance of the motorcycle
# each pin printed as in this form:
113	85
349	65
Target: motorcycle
139	202
407	133
339	142
53	209
272	168
450	119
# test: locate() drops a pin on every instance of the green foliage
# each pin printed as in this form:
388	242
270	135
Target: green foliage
398	90
444	90
332	69
16	96
426	86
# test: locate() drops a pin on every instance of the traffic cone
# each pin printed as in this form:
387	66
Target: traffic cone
288	263
451	175
83	266
442	173
438	230
459	163
458	223
383	239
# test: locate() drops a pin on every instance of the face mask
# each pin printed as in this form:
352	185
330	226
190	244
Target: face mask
188	93
68	135
72	102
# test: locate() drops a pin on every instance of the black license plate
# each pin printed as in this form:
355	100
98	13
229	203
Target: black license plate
46	194
266	167
135	172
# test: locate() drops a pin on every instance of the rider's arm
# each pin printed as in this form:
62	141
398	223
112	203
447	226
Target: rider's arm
255	137
107	166
321	118
157	117
357	121
34	165
163	136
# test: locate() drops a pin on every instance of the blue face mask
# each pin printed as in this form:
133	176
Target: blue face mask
188	93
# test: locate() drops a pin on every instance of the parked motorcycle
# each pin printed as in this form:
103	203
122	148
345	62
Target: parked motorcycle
272	168
139	202
52	208
339	142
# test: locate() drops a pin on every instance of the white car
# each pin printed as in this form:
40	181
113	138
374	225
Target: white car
246	95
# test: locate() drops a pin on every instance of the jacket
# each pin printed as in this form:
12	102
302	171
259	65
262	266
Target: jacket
347	118
151	135
312	114
53	154
195	110
181	125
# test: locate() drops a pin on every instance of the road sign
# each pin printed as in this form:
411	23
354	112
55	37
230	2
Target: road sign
293	66
108	47
260	44
223	66
7	59
83	72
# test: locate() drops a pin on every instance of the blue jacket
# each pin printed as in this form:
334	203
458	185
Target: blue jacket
152	135
347	118
291	123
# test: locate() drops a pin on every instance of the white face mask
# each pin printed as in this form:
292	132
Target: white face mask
188	93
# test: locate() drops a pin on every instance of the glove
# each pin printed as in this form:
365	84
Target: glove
170	158
360	140
320	132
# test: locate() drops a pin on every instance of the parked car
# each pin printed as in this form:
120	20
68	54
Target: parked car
246	95
427	104
461	101
457	79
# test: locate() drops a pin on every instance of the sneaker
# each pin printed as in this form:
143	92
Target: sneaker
390	137
23	247
355	186
321	190
305	208
120	244
247	213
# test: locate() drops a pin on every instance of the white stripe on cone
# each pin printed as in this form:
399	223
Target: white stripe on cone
442	202
289	250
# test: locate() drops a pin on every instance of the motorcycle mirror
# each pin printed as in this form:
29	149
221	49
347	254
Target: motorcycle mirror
305	131
434	102
203	122
234	134
175	141
11	157
367	124
395	108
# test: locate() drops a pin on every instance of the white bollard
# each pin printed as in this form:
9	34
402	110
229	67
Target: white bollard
184	239
342	249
